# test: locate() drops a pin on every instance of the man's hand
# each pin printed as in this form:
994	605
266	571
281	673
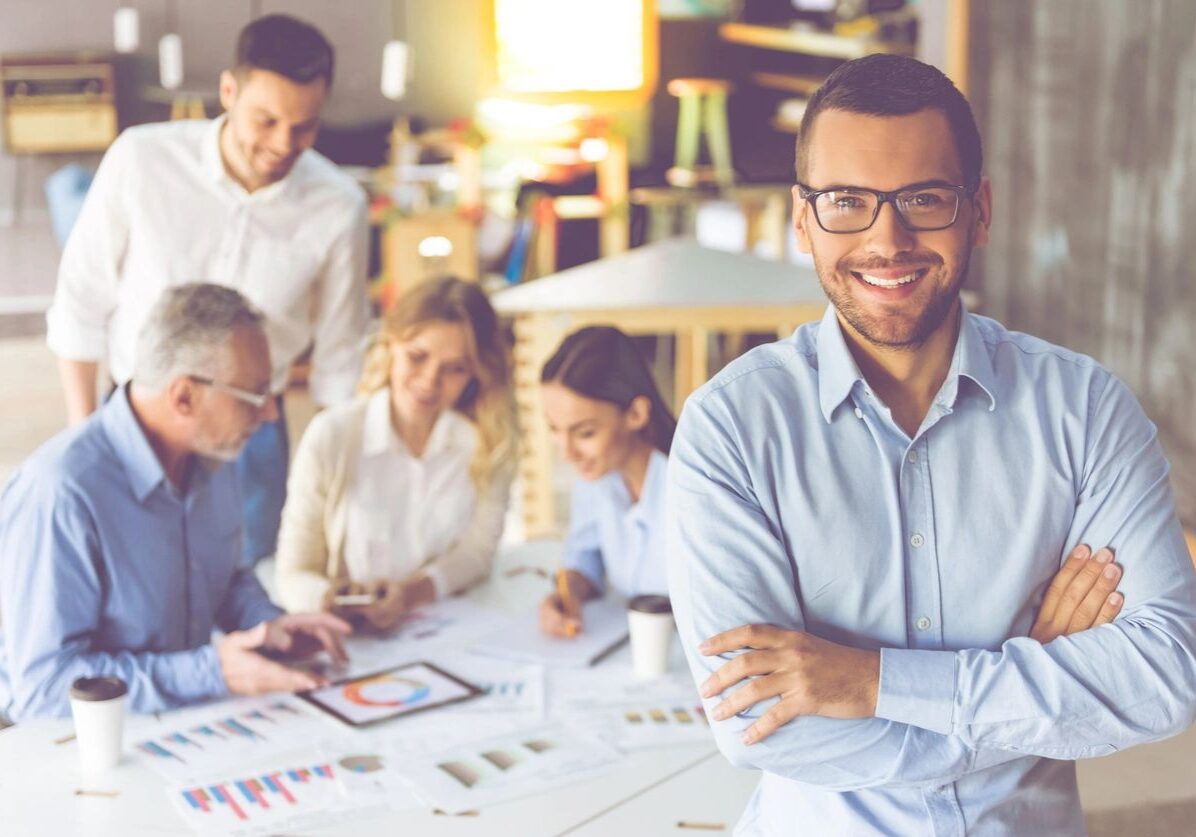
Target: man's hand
1081	596
810	675
247	672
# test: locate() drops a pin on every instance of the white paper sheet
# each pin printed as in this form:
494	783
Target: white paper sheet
517	764
604	628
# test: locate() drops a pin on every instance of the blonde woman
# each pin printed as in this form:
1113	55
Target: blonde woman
398	497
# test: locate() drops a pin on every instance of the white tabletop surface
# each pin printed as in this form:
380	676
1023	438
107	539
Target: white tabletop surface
671	273
39	779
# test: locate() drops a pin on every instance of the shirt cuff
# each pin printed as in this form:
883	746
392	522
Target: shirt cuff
331	388
917	688
72	340
197	676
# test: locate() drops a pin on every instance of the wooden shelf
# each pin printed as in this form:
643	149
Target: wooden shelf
806	42
802	85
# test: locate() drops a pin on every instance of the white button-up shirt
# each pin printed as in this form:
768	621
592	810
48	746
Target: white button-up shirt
163	211
404	510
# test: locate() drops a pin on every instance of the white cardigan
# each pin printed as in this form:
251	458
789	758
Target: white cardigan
311	539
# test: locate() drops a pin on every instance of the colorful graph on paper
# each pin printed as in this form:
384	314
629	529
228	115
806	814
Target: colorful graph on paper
196	744
259	799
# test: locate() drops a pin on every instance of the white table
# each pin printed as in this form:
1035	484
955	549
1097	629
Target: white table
646	795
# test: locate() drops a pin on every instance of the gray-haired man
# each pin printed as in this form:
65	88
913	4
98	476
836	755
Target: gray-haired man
120	538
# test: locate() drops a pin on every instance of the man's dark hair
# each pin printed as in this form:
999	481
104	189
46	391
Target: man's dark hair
287	46
894	85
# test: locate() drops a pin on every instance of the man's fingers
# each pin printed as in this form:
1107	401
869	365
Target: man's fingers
251	638
771	721
1086	613
730	673
745	636
1074	563
330	642
1079	587
1110	609
747	696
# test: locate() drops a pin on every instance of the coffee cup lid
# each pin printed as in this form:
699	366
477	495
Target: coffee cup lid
650	604
98	688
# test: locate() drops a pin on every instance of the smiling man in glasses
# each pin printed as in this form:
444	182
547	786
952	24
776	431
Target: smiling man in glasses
865	518
120	539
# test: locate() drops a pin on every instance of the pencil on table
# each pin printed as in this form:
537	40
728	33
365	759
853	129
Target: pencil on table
562	591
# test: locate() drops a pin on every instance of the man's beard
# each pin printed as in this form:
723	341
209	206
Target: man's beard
872	327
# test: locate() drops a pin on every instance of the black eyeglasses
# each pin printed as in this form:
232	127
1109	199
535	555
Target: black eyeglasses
853	209
257	400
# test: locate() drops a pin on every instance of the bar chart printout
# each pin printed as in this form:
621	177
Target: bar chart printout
189	744
246	804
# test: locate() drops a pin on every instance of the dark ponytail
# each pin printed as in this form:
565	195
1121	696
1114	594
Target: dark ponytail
602	363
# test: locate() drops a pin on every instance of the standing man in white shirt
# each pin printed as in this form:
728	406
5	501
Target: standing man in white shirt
242	201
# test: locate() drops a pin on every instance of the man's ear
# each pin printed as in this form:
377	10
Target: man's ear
638	413
183	395
983	202
228	89
801	212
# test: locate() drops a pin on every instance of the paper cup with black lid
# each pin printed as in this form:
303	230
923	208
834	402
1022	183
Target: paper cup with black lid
98	707
650	623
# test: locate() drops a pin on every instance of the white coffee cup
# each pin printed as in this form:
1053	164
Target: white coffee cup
98	707
650	623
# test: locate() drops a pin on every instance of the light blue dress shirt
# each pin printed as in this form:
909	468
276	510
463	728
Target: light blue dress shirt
612	539
105	569
796	500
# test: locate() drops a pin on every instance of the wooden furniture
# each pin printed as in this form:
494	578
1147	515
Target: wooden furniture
58	103
702	112
676	288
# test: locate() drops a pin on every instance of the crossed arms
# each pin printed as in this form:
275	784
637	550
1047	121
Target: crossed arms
928	717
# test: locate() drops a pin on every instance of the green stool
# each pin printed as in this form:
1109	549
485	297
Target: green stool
702	110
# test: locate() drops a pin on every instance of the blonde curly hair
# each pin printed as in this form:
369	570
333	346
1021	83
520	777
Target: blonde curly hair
487	401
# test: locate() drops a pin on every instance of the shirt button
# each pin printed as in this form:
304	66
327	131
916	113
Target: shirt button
916	539
859	413
923	623
912	458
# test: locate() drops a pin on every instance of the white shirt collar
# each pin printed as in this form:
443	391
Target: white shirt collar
213	165
451	431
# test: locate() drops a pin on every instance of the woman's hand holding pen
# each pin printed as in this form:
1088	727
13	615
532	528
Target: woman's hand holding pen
560	612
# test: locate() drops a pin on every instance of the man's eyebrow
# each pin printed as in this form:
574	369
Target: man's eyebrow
921	184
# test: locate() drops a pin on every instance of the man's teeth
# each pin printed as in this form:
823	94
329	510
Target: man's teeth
889	283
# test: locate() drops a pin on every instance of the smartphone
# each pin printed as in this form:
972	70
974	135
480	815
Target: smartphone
352	599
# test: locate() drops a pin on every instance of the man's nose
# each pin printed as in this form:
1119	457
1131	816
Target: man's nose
888	236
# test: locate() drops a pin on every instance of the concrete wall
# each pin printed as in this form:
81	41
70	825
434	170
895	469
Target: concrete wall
1088	110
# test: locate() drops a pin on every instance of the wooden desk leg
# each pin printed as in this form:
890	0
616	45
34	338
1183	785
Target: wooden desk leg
535	339
693	363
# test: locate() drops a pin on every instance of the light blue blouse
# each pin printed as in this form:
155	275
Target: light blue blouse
614	539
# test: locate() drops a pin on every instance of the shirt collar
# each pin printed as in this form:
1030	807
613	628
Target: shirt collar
129	444
837	369
838	372
378	436
213	165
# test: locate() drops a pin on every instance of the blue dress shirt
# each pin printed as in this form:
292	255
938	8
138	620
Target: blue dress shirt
105	569
796	500
611	538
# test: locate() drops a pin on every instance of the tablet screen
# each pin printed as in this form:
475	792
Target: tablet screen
392	693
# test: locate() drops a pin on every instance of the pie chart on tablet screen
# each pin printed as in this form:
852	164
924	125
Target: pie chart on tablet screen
386	690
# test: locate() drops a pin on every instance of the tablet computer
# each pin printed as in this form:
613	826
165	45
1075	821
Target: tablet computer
393	693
